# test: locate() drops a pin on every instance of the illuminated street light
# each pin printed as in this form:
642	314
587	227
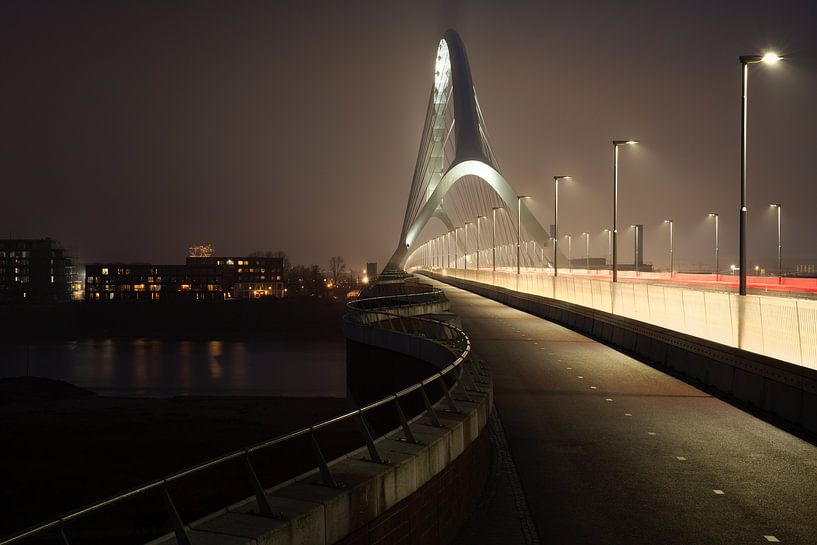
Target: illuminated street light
493	236
479	240
586	252
779	244
467	223
671	256
556	180
569	252
609	245
635	247
519	199
616	144
745	61
717	245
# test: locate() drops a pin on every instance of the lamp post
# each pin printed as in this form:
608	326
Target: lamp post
745	61
586	252
556	180
493	237
456	247
671	249
447	250
569	252
717	245
479	240
635	247
779	244
616	144
519	199
465	264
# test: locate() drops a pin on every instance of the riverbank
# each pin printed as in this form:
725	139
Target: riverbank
66	447
300	318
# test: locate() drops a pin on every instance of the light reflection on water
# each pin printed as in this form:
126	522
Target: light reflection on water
152	367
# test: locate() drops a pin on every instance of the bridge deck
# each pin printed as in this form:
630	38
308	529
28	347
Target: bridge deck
610	450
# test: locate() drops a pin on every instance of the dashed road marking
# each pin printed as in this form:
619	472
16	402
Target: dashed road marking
719	492
627	414
608	399
772	539
579	376
592	387
650	433
569	368
681	458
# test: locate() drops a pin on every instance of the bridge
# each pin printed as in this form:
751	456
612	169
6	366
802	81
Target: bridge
636	407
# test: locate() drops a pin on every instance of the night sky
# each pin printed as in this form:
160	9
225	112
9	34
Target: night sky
131	130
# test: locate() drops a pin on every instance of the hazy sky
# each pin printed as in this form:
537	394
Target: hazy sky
131	130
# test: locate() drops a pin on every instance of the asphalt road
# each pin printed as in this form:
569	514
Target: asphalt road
610	450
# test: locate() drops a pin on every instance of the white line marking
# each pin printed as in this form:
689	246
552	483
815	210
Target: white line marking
608	399
627	414
650	433
579	376
719	492
592	387
772	539
681	458
569	368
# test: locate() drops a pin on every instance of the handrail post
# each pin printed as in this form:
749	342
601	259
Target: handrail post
363	428
404	423
179	529
264	507
435	421
326	475
451	405
62	536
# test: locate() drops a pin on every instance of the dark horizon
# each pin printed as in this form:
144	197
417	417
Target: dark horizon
135	131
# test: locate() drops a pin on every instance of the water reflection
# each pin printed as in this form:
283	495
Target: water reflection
162	368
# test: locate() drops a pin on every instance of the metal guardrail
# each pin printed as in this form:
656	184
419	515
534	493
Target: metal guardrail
454	338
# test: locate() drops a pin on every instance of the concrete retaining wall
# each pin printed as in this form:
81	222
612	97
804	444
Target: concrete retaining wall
418	496
784	390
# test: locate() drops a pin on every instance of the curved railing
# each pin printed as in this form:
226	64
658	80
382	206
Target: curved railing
446	334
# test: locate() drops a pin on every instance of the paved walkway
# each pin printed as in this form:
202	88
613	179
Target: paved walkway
611	451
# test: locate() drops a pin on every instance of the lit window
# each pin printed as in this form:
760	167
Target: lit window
229	262
104	271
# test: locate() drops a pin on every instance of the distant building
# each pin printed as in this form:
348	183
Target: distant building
35	270
371	271
199	279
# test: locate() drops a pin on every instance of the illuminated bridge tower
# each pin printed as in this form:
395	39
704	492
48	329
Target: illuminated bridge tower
454	151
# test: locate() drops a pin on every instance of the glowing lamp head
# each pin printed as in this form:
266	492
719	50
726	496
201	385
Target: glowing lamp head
771	58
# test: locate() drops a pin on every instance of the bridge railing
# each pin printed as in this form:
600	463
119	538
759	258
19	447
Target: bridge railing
453	338
778	327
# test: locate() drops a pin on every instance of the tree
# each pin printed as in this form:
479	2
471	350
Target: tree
276	253
336	267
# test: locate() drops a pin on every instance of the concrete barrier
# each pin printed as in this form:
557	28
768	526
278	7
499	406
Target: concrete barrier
782	389
420	495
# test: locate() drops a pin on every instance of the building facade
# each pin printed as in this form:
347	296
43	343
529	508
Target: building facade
35	271
199	279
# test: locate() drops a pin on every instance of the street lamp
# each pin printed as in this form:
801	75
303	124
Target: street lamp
779	245
745	61
493	236
569	252
635	247
717	245
479	239
616	144
519	199
465	266
556	180
671	268
586	252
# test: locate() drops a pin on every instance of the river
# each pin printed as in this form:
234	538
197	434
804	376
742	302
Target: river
161	368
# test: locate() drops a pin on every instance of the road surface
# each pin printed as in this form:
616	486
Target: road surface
612	451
